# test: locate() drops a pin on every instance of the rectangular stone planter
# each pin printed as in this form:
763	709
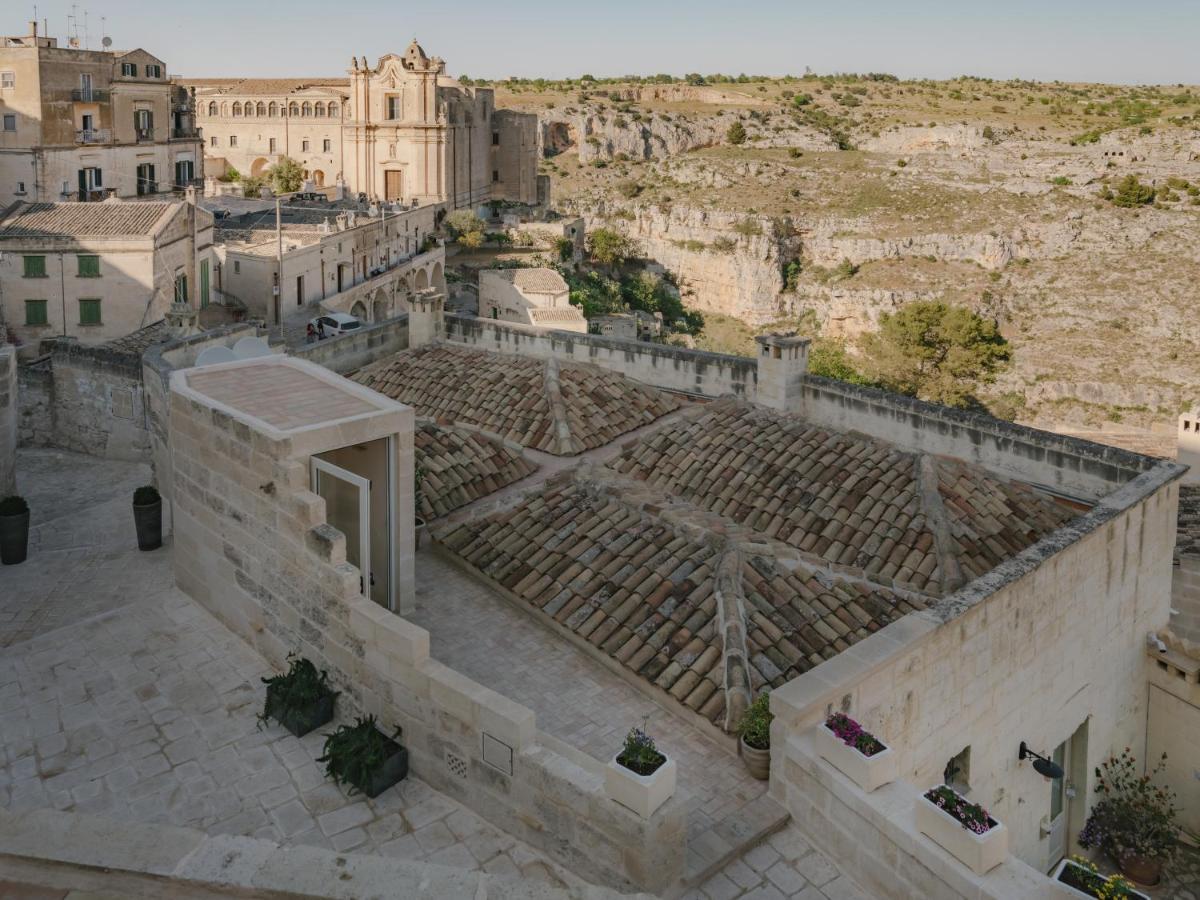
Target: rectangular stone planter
641	793
979	852
301	721
868	772
393	770
1068	864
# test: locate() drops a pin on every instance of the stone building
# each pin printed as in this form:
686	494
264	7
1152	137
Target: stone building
636	325
334	259
537	297
99	271
84	124
400	130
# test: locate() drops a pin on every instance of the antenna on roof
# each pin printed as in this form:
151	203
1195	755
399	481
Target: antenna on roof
105	40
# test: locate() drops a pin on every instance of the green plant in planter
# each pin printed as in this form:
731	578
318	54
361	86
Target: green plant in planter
13	506
354	754
299	698
1134	817
639	753
146	495
755	725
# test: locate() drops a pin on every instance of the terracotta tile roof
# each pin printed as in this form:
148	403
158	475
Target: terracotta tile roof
846	499
242	86
136	342
644	592
538	280
1187	542
557	315
115	219
561	409
461	466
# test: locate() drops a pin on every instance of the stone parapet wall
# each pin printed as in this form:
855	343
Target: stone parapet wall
1012	657
73	852
252	546
348	352
9	416
671	368
35	406
1185	598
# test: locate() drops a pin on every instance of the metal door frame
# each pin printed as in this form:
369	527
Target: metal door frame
319	467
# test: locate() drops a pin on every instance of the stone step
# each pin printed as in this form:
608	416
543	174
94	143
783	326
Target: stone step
730	837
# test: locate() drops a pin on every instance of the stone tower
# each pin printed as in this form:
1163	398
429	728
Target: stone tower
426	322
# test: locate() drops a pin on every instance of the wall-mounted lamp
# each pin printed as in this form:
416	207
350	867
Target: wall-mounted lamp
1041	764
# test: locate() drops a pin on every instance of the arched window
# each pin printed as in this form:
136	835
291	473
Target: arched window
306	109
224	110
212	107
293	109
272	109
333	110
319	109
260	109
237	108
249	110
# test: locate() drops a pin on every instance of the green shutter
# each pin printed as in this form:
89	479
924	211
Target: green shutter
203	283
89	312
89	266
35	312
35	266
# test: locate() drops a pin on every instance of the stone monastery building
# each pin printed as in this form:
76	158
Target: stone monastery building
401	130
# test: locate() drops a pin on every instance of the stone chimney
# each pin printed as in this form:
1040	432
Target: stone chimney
182	320
1189	444
426	318
782	366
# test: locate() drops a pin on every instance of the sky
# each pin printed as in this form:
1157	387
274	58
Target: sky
1123	41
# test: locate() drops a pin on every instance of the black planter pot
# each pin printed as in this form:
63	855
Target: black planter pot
393	770
148	519
301	721
14	538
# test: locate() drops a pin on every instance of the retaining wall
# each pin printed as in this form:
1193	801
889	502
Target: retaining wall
348	352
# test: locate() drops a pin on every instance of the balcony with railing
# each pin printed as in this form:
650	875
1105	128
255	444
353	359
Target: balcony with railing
188	133
93	136
144	135
89	95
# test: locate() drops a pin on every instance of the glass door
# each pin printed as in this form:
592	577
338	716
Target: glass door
1059	806
348	509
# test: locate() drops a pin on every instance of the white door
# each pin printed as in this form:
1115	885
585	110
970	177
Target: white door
1060	807
348	509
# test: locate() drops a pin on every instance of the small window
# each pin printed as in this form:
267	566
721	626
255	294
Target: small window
304	146
495	139
20	187
233	140
10	122
89	266
35	267
8	80
495	174
154	71
272	145
237	267
327	145
89	312
393	107
129	70
212	141
35	312
181	289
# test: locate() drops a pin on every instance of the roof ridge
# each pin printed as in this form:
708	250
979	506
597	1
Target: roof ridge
937	520
731	622
567	445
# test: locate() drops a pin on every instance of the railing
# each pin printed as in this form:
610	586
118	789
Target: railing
147	187
144	134
89	95
93	136
180	134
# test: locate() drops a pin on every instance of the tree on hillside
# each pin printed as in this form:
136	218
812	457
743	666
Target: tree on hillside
465	227
285	176
610	248
934	351
1131	192
736	134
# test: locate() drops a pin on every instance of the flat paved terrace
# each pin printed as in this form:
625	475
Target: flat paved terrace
121	697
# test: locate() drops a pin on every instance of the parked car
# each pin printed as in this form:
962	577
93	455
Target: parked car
336	323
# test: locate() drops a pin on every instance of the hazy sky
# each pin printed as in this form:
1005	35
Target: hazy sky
1131	41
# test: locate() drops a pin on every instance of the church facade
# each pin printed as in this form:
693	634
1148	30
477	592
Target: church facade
400	130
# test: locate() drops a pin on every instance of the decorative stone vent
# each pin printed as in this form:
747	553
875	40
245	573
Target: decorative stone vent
456	764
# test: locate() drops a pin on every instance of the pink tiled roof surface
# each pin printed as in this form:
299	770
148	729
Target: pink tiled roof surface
461	466
846	499
562	409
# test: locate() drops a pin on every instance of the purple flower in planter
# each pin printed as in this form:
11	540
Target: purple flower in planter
971	816
854	735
